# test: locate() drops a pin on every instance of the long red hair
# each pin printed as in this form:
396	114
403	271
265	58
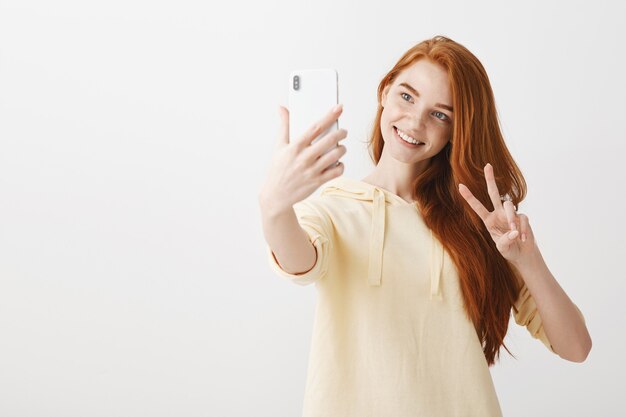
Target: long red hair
489	284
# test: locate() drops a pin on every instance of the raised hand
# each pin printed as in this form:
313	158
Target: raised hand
510	230
299	167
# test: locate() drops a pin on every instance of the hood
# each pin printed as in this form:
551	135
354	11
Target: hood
380	198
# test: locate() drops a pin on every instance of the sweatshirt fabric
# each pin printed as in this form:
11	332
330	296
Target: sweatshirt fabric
390	336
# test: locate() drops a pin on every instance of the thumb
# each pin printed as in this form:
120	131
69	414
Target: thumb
283	133
507	239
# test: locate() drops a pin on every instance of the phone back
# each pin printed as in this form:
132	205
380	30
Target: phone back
312	94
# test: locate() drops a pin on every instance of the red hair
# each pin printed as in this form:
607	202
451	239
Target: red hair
489	284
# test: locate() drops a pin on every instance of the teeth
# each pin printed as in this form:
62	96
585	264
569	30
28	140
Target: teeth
406	137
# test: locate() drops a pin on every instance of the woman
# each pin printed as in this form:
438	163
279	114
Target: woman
419	264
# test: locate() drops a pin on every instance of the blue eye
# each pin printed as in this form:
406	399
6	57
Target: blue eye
443	114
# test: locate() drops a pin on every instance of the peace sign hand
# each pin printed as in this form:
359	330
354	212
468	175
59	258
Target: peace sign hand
509	230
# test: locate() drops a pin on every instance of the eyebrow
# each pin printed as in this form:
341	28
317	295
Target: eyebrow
414	91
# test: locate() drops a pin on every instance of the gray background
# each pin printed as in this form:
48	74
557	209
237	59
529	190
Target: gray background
135	135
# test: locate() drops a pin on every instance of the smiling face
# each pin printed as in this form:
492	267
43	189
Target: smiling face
418	103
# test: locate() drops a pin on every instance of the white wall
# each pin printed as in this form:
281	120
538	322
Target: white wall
135	135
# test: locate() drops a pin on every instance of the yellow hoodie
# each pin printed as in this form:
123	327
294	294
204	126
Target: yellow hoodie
391	337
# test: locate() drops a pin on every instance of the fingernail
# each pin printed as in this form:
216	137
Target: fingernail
337	107
523	237
512	234
513	226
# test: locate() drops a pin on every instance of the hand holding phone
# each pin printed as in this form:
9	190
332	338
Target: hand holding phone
299	166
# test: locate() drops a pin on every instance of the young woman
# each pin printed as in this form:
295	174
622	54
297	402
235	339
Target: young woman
418	265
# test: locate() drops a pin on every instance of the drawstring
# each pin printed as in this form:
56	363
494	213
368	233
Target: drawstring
377	235
377	238
436	267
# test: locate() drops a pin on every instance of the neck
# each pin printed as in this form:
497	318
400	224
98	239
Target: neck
396	176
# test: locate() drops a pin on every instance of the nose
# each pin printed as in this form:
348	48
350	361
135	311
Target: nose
418	120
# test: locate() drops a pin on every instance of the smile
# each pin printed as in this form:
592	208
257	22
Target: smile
405	139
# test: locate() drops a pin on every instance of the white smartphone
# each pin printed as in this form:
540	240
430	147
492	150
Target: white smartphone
312	94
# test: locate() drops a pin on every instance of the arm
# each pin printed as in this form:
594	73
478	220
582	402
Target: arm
289	243
562	322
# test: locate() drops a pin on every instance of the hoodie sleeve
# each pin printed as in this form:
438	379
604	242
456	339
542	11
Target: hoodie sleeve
526	314
318	226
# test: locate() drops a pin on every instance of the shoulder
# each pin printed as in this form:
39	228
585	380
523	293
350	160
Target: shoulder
324	197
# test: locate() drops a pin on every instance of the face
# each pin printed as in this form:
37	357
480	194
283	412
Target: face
412	104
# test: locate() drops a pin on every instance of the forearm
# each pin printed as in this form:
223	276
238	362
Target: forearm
290	244
564	327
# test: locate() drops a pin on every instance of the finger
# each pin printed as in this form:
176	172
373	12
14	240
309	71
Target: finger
524	226
474	203
507	239
492	188
511	216
320	126
283	133
332	172
326	144
331	157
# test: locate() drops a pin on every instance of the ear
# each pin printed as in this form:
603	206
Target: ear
383	97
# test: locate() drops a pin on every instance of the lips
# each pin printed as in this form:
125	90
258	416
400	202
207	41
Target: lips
395	131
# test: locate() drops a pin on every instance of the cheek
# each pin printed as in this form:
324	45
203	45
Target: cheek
440	128
391	113
385	118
